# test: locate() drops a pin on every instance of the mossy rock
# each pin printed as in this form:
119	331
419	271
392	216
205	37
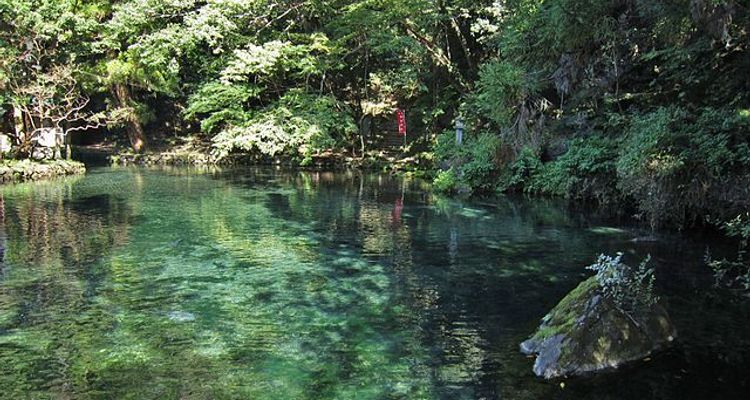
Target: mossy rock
587	333
28	170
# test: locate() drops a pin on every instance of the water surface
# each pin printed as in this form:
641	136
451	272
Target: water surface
259	284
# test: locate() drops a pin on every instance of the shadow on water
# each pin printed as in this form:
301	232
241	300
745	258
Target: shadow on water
258	283
99	204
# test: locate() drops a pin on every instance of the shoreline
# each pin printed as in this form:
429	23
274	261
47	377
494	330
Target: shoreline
335	161
18	171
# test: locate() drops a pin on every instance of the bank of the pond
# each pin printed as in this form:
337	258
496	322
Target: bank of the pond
27	170
329	160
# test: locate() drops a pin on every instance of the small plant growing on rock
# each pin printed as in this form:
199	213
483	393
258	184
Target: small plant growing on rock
609	319
631	289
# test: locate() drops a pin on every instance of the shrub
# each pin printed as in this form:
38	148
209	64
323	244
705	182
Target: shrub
299	124
680	166
474	163
517	173
631	289
585	171
220	104
734	273
446	181
481	169
445	148
500	88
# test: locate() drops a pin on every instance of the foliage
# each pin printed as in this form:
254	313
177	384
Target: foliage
649	96
680	165
40	76
299	124
446	181
219	104
611	79
585	171
631	289
275	58
526	165
482	163
501	88
739	227
474	163
734	273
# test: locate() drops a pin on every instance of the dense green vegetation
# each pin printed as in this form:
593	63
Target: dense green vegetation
627	102
734	273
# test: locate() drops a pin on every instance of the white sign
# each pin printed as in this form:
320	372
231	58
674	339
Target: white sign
6	145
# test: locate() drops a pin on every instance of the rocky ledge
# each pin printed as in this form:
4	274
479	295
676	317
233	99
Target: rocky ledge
195	158
587	332
163	158
27	170
326	160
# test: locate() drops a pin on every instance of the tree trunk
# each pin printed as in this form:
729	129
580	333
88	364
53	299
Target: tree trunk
68	152
364	130
438	56
132	122
18	123
23	132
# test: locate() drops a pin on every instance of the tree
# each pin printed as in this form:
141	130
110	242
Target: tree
53	104
40	47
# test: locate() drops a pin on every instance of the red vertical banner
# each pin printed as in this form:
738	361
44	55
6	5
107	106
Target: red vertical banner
401	117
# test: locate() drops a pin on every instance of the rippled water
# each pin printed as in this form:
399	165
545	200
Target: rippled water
257	284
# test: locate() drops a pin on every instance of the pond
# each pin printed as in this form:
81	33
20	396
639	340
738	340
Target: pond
261	284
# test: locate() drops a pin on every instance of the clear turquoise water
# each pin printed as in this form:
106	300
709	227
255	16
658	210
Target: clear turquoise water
258	284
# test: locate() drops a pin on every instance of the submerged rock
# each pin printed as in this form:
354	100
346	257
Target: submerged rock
645	239
181	316
586	332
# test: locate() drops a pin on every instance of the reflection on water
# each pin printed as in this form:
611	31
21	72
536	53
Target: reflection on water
257	284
